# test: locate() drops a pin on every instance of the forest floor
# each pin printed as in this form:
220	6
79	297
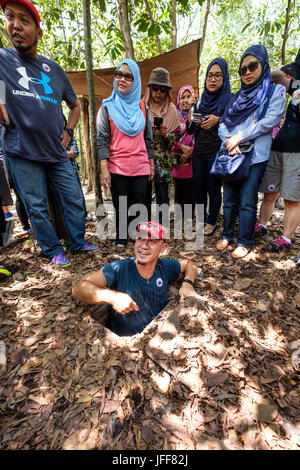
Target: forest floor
221	373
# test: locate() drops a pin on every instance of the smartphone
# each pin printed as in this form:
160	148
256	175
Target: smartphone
158	122
197	117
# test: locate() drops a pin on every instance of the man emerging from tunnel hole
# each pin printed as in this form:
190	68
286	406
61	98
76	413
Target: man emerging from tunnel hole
135	289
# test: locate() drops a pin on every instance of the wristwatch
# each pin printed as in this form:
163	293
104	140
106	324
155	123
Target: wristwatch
189	282
70	131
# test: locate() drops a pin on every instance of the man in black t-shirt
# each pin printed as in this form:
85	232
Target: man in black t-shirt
282	174
34	139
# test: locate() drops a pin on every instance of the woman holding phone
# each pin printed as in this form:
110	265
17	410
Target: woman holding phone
164	120
125	144
182	150
249	119
204	124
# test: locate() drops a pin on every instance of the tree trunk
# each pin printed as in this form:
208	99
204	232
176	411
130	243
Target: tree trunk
153	23
122	7
92	100
87	142
82	159
174	25
289	8
204	27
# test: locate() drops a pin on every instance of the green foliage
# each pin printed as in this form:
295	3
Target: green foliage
233	25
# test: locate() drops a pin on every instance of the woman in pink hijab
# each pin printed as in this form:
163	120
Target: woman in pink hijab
182	151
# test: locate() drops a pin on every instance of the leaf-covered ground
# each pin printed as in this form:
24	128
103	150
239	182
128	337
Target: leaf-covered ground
219	374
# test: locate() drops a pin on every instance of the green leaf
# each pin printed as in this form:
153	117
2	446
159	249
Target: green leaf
151	31
143	26
245	27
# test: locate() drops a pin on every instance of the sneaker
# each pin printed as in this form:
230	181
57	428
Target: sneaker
260	231
8	215
4	272
297	260
278	245
88	248
6	236
60	260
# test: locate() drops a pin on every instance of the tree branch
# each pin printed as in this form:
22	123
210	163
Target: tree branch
153	23
290	6
122	7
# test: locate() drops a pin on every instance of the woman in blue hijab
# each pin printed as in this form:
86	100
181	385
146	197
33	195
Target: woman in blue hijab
207	114
125	144
241	125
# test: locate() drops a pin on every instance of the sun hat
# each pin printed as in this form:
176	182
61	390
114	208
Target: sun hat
160	76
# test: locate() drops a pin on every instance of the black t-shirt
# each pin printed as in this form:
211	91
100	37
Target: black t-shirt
34	89
288	137
207	142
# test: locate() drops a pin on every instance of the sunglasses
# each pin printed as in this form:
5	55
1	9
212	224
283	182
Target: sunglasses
163	89
128	76
253	66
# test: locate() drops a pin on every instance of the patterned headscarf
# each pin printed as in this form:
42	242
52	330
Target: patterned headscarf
125	110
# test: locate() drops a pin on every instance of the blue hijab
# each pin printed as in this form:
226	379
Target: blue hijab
249	97
125	110
216	101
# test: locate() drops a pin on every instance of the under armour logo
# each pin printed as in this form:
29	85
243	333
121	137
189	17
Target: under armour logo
24	81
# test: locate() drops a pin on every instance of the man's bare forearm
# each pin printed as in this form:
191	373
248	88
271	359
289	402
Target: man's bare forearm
88	293
3	113
190	271
74	115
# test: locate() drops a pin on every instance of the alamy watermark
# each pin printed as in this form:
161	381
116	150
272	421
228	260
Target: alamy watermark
178	221
2	92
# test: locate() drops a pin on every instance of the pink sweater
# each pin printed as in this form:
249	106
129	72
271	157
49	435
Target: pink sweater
127	155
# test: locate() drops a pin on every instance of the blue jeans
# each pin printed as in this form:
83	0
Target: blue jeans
240	197
29	178
204	184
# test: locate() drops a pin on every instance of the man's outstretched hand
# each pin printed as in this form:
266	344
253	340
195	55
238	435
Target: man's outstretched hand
187	290
123	303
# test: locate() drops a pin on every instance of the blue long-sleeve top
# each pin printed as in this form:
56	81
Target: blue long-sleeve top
259	131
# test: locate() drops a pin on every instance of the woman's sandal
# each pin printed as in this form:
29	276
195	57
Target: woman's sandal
240	252
209	230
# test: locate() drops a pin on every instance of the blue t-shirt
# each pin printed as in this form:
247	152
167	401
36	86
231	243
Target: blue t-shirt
150	295
35	89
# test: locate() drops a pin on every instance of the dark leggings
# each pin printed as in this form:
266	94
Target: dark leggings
161	197
207	184
134	188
